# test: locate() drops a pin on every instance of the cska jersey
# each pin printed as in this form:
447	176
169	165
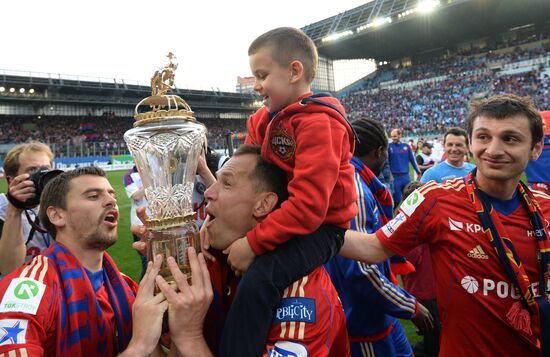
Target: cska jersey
472	288
30	312
309	321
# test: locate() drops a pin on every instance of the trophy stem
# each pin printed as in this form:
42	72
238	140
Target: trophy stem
173	242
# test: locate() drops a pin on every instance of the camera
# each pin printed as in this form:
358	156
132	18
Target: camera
39	177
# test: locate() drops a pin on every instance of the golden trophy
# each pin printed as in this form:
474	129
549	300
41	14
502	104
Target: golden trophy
166	142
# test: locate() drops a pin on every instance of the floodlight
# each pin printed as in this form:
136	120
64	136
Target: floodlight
12	90
2	89
337	36
381	21
427	6
21	90
31	91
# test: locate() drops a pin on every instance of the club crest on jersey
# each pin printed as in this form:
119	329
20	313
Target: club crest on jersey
287	349
295	309
13	331
282	144
412	202
23	295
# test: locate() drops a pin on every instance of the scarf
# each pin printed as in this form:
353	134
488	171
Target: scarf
384	202
81	328
519	315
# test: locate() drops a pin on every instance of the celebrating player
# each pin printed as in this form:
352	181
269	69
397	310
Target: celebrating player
309	137
487	237
72	300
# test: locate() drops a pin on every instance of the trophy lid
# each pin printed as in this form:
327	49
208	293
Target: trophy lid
160	106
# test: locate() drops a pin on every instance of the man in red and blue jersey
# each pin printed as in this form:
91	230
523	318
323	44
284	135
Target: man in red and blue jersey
310	320
399	156
488	238
72	300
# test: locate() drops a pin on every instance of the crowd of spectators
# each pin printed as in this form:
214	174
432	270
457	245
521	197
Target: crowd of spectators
92	135
434	104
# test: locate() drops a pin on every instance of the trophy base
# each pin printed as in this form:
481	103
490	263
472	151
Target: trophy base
173	242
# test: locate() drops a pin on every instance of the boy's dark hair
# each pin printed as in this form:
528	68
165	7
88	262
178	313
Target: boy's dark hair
505	106
289	44
55	193
267	177
370	136
456	131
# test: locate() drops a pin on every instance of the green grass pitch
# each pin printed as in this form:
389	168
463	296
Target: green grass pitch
128	260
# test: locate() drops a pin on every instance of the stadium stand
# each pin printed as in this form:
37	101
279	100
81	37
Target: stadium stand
93	136
429	96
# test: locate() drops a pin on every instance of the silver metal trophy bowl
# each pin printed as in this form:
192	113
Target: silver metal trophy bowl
166	143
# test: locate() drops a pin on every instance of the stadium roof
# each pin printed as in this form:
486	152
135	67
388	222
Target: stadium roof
386	30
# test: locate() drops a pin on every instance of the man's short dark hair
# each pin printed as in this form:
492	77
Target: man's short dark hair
456	131
55	193
505	106
267	177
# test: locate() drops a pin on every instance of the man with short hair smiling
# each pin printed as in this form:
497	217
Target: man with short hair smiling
487	237
455	143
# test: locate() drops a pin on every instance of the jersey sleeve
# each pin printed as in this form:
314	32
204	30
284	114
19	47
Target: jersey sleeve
28	311
410	227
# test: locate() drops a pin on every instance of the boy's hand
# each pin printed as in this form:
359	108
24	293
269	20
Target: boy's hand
240	256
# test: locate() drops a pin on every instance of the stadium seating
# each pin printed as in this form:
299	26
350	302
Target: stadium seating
429	96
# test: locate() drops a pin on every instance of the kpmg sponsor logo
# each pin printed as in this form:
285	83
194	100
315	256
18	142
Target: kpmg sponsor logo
392	225
296	309
455	225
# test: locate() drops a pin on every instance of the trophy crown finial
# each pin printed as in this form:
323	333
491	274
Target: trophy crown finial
163	80
160	105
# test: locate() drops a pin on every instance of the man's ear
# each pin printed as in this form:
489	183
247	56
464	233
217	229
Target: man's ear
56	216
296	71
266	202
537	150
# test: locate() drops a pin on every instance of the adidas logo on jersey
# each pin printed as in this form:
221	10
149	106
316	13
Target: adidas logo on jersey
478	253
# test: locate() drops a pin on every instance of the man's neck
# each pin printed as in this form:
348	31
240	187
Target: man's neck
458	165
91	259
502	190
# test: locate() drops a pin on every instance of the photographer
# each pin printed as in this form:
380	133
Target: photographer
19	241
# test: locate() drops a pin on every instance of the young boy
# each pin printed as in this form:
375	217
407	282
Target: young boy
309	137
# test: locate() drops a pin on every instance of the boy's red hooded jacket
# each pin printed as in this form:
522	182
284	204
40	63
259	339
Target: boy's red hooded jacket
313	143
